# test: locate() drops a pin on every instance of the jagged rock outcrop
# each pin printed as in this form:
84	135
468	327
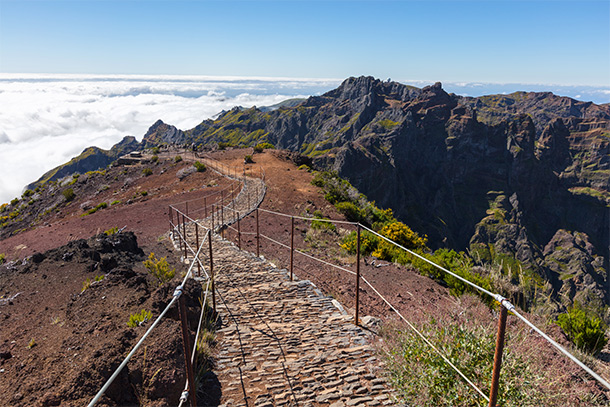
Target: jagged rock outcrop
160	133
575	268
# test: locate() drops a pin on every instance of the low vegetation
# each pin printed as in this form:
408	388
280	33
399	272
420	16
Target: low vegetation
204	360
495	272
585	329
147	172
199	166
259	148
422	378
139	318
319	222
88	282
159	268
112	231
68	194
102	205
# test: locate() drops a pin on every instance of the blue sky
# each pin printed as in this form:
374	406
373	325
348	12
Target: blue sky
556	42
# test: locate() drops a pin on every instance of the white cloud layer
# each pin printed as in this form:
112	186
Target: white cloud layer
47	119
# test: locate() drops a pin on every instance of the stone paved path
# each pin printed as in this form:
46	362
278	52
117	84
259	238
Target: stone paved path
282	342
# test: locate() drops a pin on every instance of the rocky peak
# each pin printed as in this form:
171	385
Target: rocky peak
161	132
355	88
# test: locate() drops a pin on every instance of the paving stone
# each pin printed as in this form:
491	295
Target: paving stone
285	339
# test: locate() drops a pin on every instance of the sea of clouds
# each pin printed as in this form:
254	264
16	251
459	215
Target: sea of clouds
47	119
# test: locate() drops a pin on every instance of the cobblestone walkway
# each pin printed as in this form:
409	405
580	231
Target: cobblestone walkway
284	343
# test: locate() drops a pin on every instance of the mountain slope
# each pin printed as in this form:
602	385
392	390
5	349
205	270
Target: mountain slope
502	175
91	159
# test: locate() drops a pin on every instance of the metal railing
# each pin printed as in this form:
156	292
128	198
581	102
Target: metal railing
222	215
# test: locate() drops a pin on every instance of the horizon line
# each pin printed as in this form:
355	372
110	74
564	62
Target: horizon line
42	75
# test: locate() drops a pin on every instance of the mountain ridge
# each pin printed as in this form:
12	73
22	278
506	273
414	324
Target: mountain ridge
496	175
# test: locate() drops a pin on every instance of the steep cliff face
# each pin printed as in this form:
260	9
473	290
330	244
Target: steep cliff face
506	172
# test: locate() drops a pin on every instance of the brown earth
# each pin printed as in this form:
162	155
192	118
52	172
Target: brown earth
79	337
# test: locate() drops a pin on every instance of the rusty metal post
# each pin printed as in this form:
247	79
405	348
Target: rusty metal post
197	249
212	272
222	221
233	207
357	320
171	217
186	343
495	379
213	217
238	232
258	252
222	213
184	235
291	247
187	208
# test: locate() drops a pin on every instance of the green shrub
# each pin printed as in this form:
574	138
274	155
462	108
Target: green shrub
14	201
115	202
368	243
403	235
159	268
261	146
139	318
146	172
155	150
88	282
248	159
177	159
350	211
27	193
68	194
154	158
199	166
320	225
2	258
144	193
111	231
585	329
99	206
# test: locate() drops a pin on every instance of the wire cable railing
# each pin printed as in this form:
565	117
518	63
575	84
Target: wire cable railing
175	297
504	303
216	221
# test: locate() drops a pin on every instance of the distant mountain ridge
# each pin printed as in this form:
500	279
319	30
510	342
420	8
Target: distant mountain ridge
524	175
508	174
